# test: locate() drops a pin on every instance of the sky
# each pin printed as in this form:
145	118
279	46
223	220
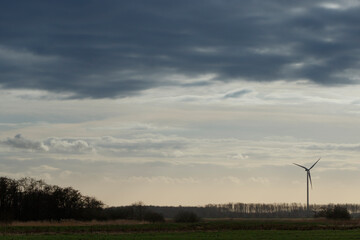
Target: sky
183	102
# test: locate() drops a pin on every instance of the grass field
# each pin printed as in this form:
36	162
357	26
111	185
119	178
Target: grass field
223	235
225	229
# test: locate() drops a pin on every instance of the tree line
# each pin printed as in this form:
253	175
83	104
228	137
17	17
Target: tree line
254	210
29	199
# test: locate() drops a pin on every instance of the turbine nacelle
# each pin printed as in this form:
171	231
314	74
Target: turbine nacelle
308	170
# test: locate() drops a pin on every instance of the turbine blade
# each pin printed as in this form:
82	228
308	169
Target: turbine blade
309	175
314	164
300	166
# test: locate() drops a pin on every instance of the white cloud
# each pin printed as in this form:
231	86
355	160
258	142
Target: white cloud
44	168
339	5
68	145
238	156
66	174
260	180
344	168
333	147
160	179
233	179
330	5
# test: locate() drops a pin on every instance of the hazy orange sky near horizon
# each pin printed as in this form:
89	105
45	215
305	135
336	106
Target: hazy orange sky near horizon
183	102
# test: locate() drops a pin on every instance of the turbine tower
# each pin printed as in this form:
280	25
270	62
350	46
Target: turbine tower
308	177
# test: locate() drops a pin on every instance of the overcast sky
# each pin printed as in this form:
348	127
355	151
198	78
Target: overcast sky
183	102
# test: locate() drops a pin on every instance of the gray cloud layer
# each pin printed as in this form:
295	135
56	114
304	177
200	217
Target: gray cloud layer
237	94
98	49
20	142
49	145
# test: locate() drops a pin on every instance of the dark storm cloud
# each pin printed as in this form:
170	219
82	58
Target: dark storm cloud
98	49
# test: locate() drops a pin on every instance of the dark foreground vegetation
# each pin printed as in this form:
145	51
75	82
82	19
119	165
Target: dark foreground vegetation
29	199
334	212
205	225
319	229
187	217
223	235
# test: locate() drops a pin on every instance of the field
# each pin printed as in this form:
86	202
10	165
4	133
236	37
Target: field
224	229
223	235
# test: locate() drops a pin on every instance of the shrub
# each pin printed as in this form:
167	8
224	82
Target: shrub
338	212
334	212
138	210
185	216
153	217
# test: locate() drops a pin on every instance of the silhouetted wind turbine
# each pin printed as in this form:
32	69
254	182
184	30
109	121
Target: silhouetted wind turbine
308	176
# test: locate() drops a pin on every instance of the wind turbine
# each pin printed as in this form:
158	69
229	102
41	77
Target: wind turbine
308	177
